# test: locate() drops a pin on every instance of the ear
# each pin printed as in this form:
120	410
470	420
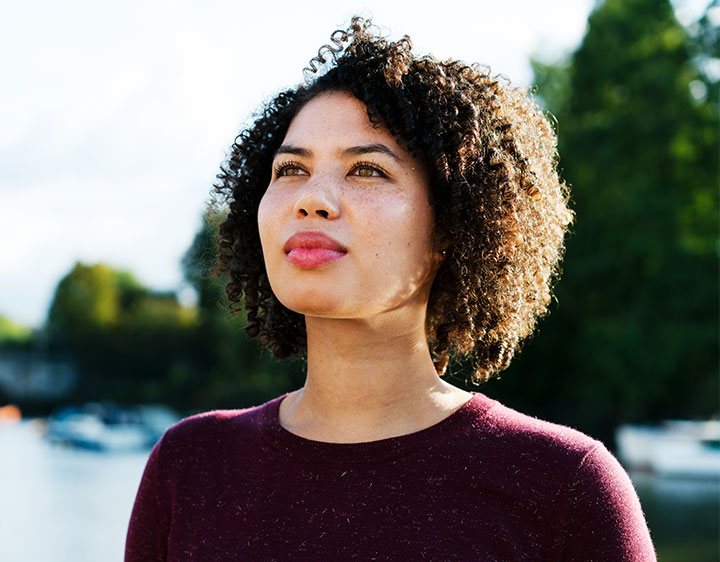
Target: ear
441	245
438	257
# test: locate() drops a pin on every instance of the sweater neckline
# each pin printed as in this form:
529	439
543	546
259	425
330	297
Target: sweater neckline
297	446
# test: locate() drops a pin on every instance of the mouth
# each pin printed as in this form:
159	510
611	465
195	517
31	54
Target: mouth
311	249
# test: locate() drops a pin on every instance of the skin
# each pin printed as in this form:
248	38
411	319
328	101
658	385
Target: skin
369	371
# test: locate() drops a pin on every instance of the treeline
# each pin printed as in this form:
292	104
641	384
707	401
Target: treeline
134	345
634	333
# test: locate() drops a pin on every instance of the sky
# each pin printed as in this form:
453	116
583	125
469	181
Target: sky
115	117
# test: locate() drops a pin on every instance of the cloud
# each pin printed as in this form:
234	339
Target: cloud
116	116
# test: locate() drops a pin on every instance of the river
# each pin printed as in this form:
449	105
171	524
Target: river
67	505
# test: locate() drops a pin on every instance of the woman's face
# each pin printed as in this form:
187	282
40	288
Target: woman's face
345	224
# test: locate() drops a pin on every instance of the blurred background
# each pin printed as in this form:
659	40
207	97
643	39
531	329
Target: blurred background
114	119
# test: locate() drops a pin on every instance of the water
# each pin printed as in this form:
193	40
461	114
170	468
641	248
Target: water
66	505
683	516
63	505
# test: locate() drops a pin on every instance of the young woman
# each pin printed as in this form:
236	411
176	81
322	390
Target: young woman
393	211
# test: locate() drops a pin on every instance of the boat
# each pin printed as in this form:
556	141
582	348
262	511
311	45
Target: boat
109	427
677	448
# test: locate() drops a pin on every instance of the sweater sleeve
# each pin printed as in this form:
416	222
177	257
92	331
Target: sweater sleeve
604	520
147	535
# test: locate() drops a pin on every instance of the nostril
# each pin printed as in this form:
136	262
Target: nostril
323	214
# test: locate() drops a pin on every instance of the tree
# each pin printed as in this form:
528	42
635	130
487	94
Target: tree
635	334
128	342
13	334
85	299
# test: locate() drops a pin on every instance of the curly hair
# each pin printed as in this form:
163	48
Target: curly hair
501	210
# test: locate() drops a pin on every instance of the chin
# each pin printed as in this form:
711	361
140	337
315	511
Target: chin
312	301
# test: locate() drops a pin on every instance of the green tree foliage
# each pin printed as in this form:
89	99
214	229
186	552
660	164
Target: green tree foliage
13	334
89	298
635	333
132	344
126	340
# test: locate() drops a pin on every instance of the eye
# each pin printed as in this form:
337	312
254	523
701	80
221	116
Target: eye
368	170
288	169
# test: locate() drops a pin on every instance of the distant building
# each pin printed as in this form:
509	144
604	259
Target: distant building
31	376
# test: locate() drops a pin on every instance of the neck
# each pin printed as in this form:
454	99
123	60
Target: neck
367	380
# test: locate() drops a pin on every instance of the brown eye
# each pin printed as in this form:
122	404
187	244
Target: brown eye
368	170
287	169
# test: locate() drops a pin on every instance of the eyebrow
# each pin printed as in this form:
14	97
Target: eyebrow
370	148
296	150
351	151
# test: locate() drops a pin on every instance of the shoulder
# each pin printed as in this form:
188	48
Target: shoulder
208	432
584	464
516	451
571	478
202	425
521	434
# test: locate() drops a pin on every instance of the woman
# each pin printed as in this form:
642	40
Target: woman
389	213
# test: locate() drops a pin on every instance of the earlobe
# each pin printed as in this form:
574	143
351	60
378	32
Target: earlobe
438	257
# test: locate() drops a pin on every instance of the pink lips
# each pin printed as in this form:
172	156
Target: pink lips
309	249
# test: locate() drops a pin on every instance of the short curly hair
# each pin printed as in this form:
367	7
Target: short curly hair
501	210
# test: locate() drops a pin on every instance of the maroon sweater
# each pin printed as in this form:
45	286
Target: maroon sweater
485	484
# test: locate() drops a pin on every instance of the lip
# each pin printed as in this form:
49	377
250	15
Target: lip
311	249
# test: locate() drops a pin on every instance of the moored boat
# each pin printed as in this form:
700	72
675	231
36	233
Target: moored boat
109	427
674	448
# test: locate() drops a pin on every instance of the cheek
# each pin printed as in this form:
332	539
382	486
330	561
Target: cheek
412	222
266	217
268	221
403	232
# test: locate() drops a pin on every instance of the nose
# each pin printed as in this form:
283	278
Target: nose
318	199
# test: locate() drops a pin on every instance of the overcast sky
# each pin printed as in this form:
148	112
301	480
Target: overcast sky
114	117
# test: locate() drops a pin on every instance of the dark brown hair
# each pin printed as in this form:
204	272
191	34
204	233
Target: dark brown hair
500	208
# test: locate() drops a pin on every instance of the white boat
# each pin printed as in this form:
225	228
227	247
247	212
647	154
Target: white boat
108	427
674	448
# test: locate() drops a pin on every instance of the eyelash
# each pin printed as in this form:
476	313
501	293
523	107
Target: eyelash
365	164
279	168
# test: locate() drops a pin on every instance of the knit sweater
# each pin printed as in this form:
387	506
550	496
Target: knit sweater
485	484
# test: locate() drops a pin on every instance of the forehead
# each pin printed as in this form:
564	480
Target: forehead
336	118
